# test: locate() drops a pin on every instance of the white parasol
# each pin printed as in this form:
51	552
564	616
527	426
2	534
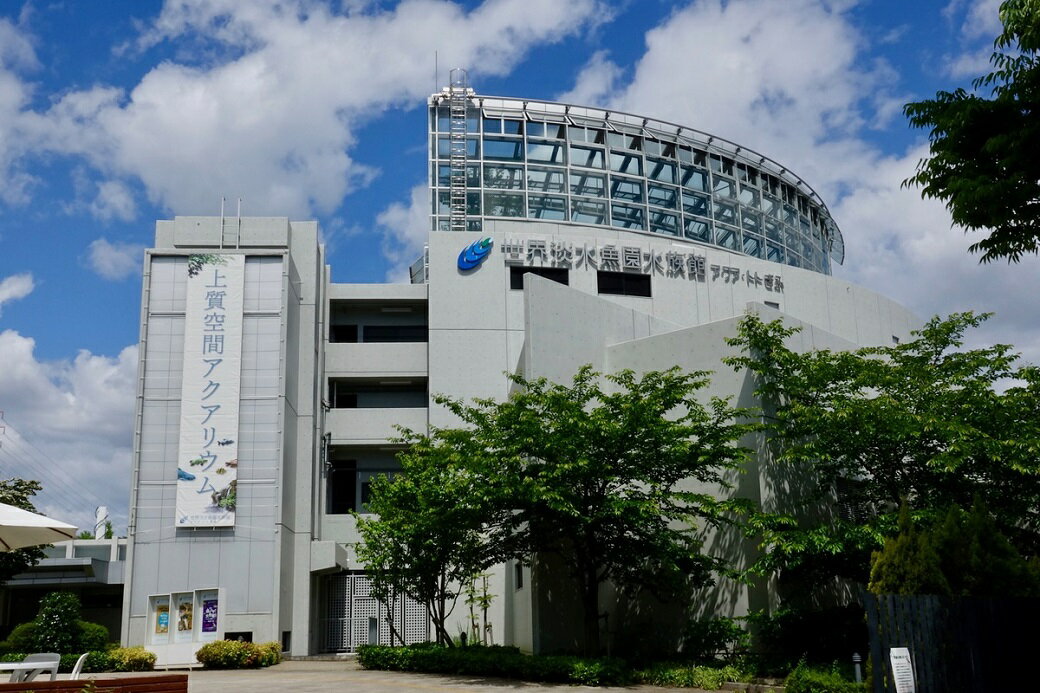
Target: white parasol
20	528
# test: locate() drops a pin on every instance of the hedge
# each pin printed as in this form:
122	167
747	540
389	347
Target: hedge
235	654
508	662
805	679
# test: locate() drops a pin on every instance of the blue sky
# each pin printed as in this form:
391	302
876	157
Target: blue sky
118	113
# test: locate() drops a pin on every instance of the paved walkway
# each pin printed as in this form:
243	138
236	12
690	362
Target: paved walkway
325	676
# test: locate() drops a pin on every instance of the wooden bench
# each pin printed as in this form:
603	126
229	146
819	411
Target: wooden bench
156	683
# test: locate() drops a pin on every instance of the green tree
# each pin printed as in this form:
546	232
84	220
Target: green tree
18	492
424	539
614	474
926	421
982	160
908	564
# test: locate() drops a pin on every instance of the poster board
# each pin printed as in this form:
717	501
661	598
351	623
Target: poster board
179	623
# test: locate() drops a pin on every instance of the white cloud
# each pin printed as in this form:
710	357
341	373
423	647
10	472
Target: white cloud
115	260
69	424
404	228
114	200
16	55
596	81
15	287
754	74
265	98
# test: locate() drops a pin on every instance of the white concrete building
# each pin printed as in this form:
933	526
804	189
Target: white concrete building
651	240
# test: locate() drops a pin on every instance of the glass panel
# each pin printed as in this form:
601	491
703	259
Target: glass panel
546	179
698	230
662	196
501	149
723	187
771	206
509	177
794	260
774	252
624	140
536	129
472	120
790	215
726	237
442	120
590	157
627	217
473	225
591	184
748	197
752	245
443	205
663	222
588	212
726	213
750	221
696	204
493	125
472	175
628	189
444	148
791	239
513	127
443	225
545	152
694	178
473	203
503	204
547	207
626	163
685	155
580	134
663	171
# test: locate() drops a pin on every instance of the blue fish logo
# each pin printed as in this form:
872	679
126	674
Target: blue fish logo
475	253
184	476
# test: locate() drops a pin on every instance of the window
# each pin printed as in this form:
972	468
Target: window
662	195
663	171
394	333
560	275
503	205
588	212
503	176
773	304
627	217
662	222
589	157
545	152
626	163
623	283
545	179
501	149
699	205
343	334
341	487
589	184
518	575
627	189
698	230
547	207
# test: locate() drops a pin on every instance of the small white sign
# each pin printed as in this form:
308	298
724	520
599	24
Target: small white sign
902	670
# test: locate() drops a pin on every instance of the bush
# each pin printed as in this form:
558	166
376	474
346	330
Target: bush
706	639
684	676
481	660
235	654
131	659
21	639
92	637
56	622
805	679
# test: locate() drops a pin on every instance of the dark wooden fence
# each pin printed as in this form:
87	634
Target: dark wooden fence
957	645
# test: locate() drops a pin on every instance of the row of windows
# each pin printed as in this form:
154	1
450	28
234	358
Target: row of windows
611	283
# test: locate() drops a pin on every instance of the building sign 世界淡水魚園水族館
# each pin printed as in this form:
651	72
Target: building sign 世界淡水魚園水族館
628	258
208	451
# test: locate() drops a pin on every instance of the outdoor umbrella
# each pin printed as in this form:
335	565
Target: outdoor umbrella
20	528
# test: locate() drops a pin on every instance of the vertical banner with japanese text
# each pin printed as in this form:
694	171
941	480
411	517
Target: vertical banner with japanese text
208	451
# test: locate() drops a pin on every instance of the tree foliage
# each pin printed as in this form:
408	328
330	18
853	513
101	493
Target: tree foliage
926	421
18	492
425	539
983	161
614	474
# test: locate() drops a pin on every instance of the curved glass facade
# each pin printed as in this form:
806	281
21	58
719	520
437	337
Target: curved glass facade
545	161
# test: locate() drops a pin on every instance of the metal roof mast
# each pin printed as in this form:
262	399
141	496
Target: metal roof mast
458	102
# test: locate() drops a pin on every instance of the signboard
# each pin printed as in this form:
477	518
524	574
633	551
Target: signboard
208	452
184	605
902	670
612	257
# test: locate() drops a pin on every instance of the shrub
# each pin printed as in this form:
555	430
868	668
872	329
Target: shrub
480	660
56	622
685	676
805	679
91	636
131	659
22	638
234	654
706	639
